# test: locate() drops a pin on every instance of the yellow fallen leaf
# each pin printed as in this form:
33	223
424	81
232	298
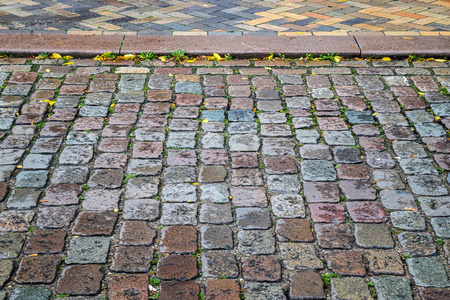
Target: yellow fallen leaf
47	70
440	60
113	105
67	57
48	101
267	68
116	210
299	32
437	118
195	183
409	208
56	56
19	167
190	60
162	58
407	38
313	74
75	236
67	63
128	56
269	57
337	59
33	255
230	197
205	121
421	94
374	114
217	56
386	59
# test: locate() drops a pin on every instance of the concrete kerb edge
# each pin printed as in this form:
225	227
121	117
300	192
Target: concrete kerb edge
73	48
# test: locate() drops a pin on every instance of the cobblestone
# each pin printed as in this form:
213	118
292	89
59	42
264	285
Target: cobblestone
355	184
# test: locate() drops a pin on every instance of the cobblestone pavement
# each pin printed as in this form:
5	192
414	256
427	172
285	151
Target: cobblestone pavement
426	17
241	179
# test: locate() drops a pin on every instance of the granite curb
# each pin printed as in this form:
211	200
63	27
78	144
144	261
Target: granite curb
237	46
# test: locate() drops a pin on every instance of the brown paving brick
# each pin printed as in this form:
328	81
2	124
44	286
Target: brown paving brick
357	190
23	77
122	119
440	145
110	161
188	100
80	280
88	123
137	233
28	119
135	259
306	284
366	212
214	157
128	287
98	86
280	165
3	190
321	192
81	79
156	96
127	107
353	172
73	90
434	294
94	223
177	267
334	236
147	150
218	289
39	269
244	160
346	263
158	108
261	268
384	262
216	103
332	123
179	239
294	230
62	194
113	145
182	158
327	213
116	130
410	103
45	242
182	290
443	161
241	103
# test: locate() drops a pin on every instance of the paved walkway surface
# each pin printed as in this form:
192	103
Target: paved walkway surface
213	17
232	180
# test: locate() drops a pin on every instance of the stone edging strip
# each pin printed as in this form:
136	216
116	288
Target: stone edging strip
236	46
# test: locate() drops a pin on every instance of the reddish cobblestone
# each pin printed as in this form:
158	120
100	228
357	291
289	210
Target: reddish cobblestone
187	290
128	287
366	212
177	267
179	239
261	268
40	269
218	289
80	280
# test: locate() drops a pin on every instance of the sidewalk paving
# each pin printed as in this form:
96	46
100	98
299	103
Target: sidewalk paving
230	179
227	17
